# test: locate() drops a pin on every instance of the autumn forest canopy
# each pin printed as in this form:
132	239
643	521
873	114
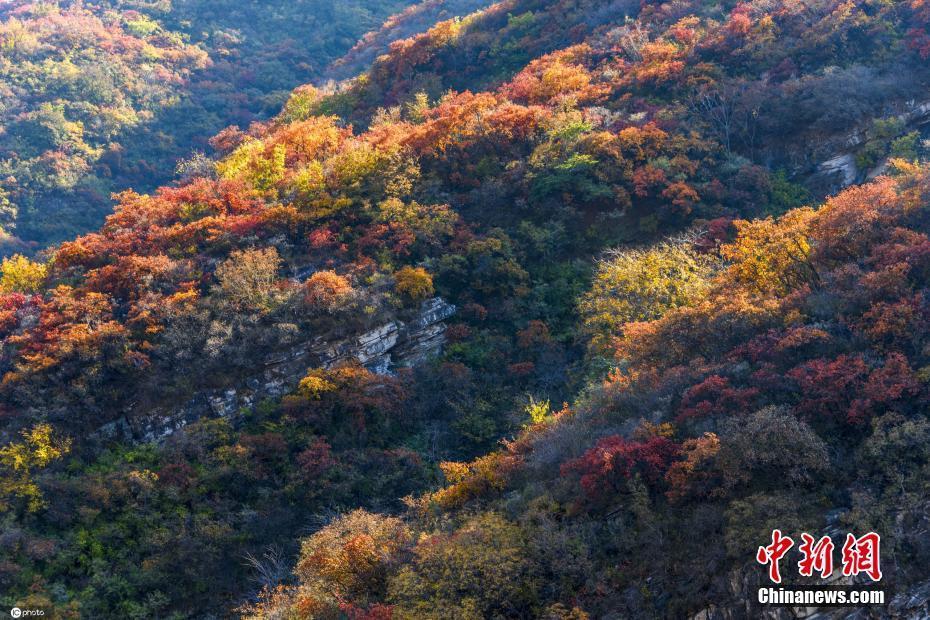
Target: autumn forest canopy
98	97
534	309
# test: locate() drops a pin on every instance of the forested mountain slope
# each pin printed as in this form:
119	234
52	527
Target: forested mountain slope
413	20
614	197
104	96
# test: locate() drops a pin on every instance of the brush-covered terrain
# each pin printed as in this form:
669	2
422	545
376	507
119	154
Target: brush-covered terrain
97	97
556	310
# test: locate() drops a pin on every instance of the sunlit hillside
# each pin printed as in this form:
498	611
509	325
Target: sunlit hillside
555	310
105	96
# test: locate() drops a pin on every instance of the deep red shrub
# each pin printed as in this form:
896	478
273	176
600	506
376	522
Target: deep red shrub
715	396
613	459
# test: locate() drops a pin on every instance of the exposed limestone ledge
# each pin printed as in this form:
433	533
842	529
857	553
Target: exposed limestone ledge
842	168
841	171
394	344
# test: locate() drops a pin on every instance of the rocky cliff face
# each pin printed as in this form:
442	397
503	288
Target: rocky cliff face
841	170
391	345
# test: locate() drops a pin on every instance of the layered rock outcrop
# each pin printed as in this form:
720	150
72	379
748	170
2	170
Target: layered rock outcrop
391	345
841	170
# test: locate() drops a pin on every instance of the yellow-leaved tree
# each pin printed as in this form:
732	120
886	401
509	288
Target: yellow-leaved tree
642	285
413	283
18	274
18	462
773	256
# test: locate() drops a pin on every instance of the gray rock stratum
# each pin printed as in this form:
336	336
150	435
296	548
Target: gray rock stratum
391	345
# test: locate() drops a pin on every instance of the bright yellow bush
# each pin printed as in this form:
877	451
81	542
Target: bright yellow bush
19	460
415	283
773	256
642	285
21	275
